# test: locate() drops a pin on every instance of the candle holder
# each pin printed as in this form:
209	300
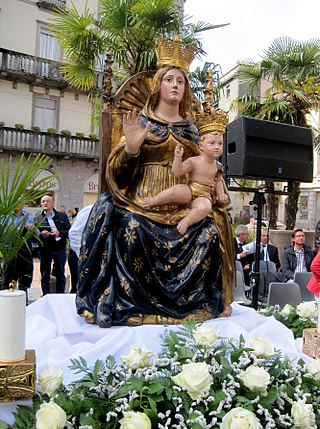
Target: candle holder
18	378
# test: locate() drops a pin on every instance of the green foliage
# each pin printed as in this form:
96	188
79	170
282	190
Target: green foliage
291	318
198	81
108	390
52	131
18	188
128	30
65	133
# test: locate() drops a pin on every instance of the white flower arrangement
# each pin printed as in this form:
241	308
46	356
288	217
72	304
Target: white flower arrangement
295	318
199	381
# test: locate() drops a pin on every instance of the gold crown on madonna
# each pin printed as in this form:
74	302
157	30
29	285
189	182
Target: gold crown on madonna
210	119
174	52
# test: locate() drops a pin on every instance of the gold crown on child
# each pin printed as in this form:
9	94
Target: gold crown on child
175	52
210	119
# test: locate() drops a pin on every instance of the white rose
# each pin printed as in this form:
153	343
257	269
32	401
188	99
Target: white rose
314	368
50	380
205	334
302	415
50	416
262	347
138	357
135	420
286	310
255	378
307	309
240	418
195	379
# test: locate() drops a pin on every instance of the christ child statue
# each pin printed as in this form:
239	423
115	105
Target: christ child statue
204	181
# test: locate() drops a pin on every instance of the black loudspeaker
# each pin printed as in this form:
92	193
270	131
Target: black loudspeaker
260	149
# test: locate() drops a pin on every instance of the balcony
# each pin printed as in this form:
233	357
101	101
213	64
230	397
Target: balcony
51	4
28	141
20	67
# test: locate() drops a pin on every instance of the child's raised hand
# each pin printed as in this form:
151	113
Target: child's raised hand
178	152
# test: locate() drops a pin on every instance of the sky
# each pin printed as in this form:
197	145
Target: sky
254	24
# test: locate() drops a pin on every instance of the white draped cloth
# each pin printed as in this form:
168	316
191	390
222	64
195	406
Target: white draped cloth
58	334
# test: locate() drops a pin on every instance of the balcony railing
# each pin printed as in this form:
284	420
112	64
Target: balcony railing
34	70
51	4
40	142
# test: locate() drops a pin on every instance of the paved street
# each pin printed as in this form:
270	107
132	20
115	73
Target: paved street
35	290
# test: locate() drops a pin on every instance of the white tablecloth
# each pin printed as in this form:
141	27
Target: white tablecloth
58	334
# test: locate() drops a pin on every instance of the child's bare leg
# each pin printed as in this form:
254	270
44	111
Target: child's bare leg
178	194
200	208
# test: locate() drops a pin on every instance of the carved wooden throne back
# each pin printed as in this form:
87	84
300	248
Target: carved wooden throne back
133	93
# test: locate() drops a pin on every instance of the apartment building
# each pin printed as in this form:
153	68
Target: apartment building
39	111
309	201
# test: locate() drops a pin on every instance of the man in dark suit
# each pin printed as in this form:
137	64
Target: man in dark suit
241	237
268	251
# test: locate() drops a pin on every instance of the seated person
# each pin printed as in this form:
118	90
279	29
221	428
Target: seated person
246	259
268	251
204	179
297	257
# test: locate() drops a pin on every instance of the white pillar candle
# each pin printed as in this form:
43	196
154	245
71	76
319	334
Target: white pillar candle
12	325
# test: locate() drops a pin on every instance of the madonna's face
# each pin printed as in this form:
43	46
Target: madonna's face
172	87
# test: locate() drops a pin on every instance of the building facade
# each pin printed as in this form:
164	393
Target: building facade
39	111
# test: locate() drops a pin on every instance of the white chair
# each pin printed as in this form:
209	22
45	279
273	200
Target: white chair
303	279
239	292
284	293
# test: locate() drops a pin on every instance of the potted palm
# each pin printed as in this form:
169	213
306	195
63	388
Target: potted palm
19	187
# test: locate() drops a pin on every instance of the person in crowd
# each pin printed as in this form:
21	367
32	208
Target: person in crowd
20	268
297	257
134	266
53	229
314	282
252	225
205	178
268	251
246	259
63	209
317	236
75	235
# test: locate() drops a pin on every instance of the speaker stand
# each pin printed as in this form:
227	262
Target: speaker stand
258	201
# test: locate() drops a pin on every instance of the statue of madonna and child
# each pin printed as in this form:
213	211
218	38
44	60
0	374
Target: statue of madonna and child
157	248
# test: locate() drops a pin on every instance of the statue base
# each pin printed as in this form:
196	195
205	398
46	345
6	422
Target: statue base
18	379
311	343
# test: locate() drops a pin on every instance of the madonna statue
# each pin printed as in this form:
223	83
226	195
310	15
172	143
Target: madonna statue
135	267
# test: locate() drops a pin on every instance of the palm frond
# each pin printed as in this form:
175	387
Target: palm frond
18	188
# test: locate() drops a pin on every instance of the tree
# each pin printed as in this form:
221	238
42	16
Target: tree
199	79
15	192
292	70
127	29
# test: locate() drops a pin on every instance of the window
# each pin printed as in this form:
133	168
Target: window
48	45
45	112
47	48
228	92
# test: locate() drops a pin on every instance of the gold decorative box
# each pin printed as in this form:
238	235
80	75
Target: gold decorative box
311	343
18	379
